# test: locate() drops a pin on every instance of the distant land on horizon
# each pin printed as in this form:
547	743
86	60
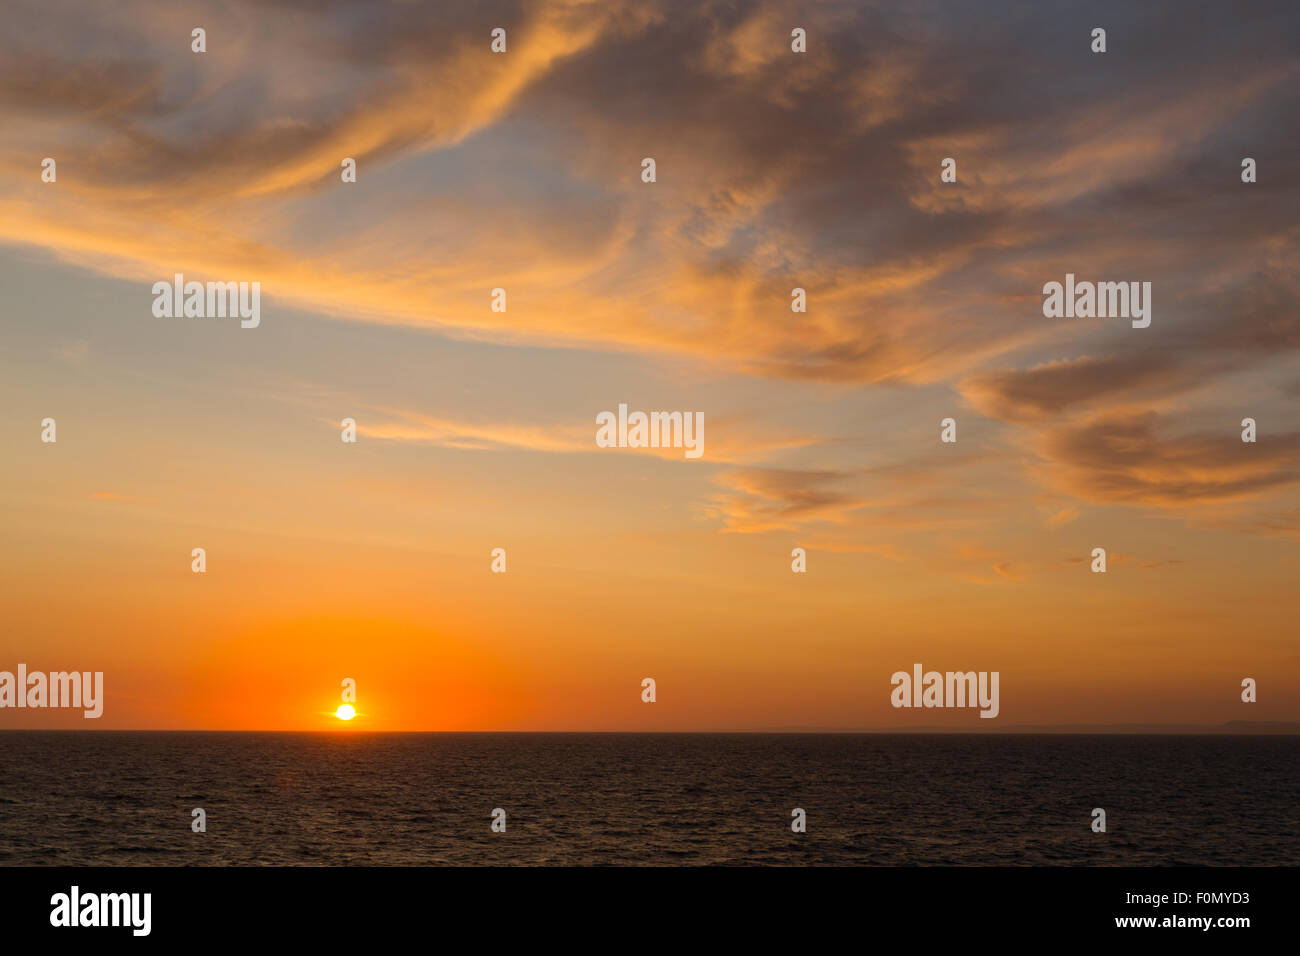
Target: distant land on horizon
1228	727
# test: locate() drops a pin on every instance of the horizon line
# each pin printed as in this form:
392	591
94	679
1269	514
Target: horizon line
1229	728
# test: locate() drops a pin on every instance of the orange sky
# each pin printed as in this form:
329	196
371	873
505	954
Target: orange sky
371	561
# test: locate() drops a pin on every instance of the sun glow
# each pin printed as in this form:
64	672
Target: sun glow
345	712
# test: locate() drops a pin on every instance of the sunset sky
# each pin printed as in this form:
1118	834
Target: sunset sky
522	170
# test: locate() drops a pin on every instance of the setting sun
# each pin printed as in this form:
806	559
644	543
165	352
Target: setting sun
345	712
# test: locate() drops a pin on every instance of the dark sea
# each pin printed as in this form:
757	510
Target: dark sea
78	798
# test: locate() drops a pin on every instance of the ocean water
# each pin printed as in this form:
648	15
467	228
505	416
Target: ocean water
78	798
